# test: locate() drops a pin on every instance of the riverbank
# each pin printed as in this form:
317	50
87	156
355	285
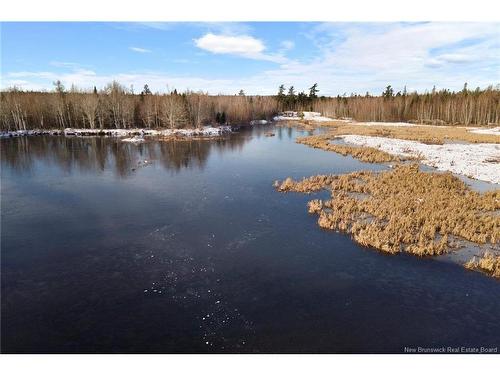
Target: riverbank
478	161
469	151
405	209
207	131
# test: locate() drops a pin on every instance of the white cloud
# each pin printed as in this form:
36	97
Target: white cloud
457	58
360	57
238	45
241	45
140	50
346	58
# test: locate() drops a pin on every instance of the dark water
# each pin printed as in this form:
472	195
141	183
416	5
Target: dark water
194	251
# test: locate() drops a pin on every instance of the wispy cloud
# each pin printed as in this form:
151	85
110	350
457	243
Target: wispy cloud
287	45
355	57
139	49
64	64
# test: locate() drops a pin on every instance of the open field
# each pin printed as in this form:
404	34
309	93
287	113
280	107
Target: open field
403	210
471	152
428	134
478	161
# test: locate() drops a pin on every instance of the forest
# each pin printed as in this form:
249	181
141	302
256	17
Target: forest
116	106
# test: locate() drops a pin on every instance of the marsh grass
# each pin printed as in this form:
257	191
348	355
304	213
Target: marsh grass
366	154
403	209
488	263
425	134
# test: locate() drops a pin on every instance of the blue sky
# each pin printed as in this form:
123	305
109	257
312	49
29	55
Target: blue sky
256	57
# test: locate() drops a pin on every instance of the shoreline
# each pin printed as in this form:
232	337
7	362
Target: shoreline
478	161
206	131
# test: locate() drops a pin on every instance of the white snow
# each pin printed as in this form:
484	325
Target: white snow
472	160
135	139
308	116
376	123
23	133
258	122
207	131
493	131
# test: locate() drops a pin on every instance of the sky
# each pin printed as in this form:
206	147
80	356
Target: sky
223	58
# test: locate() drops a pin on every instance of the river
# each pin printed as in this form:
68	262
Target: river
185	247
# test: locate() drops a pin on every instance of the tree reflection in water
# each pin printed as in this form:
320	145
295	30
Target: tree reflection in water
102	154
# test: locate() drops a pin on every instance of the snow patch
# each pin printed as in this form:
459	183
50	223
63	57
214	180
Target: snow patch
207	131
135	139
479	161
493	131
308	116
258	122
376	123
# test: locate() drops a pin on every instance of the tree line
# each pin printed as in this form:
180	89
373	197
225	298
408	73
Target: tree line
464	107
115	106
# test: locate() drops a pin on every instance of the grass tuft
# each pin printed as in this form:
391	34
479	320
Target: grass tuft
366	154
403	209
488	263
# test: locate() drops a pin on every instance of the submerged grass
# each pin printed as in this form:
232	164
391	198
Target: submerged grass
403	210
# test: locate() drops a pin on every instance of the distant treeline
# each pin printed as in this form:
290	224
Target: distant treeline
465	107
118	107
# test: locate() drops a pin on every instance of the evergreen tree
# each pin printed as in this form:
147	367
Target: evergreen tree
146	90
58	87
281	97
313	91
290	99
281	91
388	93
302	98
241	93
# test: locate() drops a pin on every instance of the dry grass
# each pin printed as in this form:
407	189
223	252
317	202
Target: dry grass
403	210
366	154
488	262
424	134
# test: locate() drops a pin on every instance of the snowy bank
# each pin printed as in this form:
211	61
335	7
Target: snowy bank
307	116
479	161
207	131
24	133
493	131
375	123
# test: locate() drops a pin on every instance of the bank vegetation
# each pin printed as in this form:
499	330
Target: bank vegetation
405	210
116	106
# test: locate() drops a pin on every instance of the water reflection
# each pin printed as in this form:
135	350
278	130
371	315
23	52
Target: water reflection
213	260
90	154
